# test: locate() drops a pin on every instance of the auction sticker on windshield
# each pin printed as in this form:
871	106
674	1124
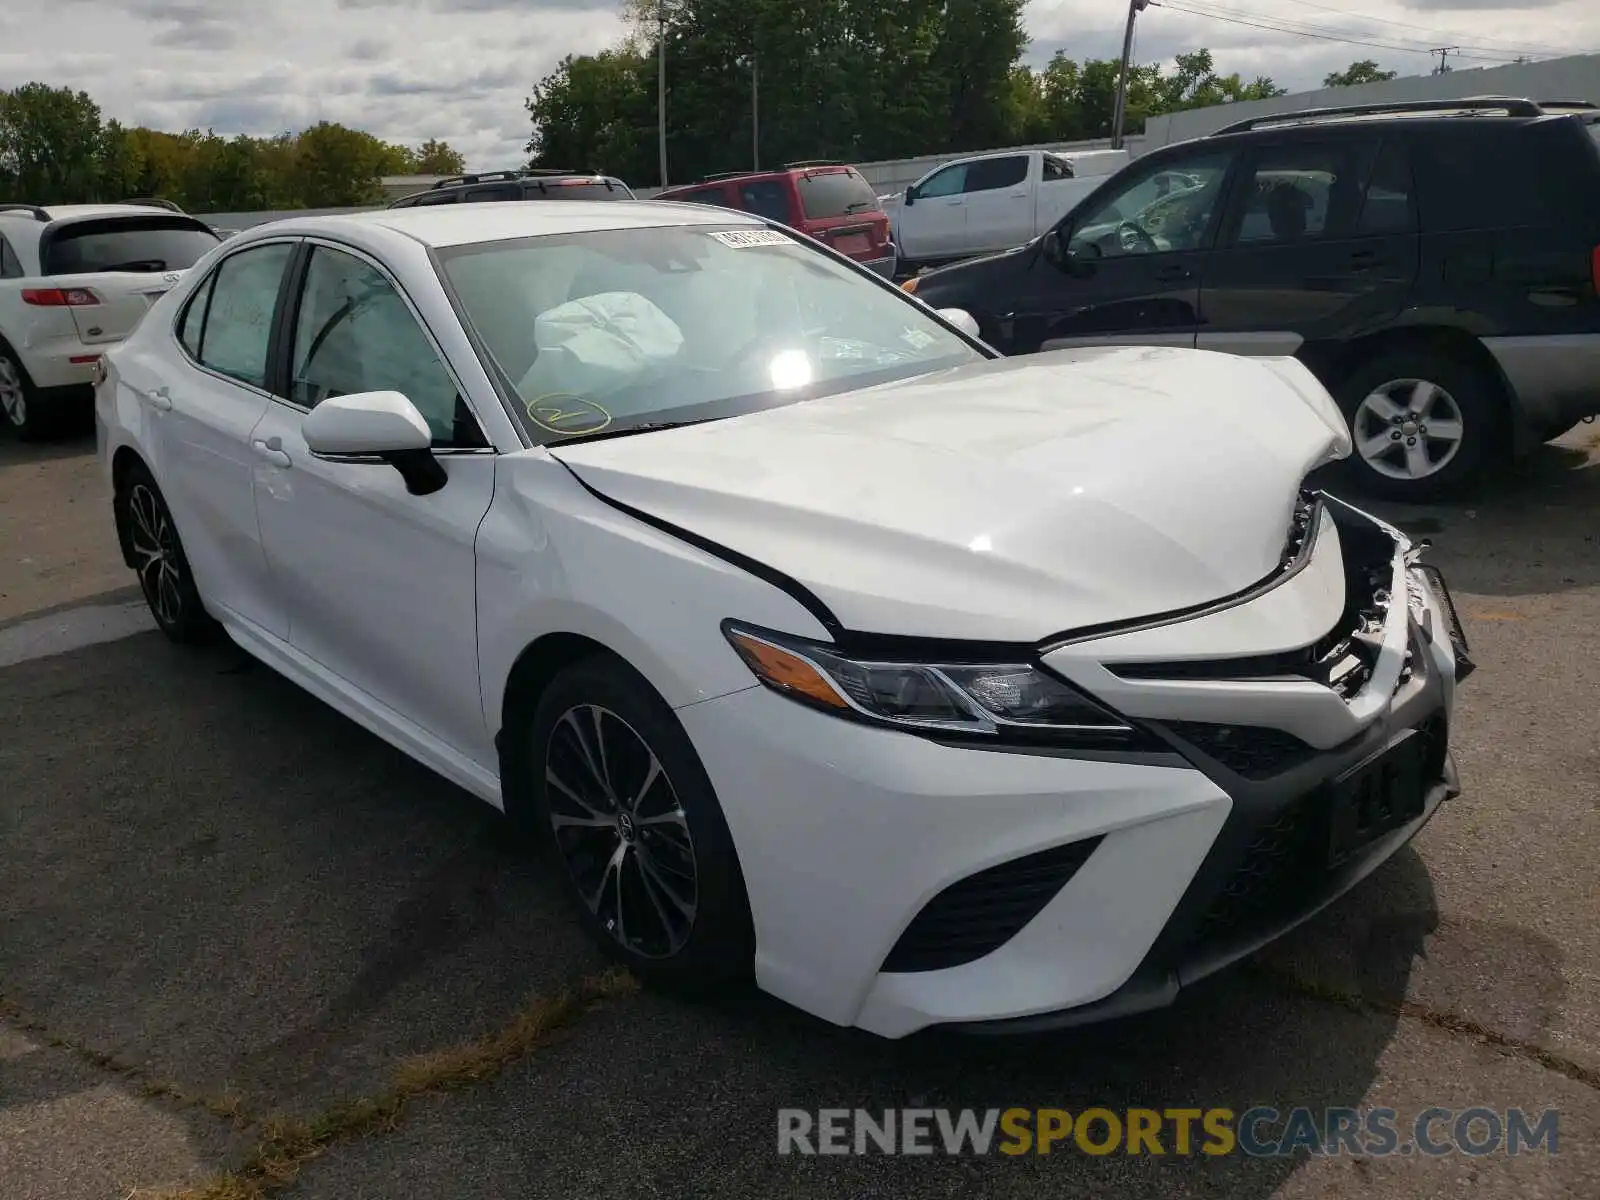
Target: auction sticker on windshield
562	412
739	239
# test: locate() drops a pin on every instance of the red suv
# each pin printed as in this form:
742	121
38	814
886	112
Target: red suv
829	201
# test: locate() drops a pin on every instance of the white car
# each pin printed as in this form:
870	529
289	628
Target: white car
75	279
824	645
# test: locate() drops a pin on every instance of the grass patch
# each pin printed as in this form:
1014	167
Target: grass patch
286	1145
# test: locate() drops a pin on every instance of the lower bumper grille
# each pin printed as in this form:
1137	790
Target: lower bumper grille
977	915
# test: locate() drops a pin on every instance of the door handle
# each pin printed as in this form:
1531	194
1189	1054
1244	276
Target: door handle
160	398
272	450
1174	273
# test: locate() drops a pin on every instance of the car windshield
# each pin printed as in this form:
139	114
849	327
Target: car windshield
605	332
127	244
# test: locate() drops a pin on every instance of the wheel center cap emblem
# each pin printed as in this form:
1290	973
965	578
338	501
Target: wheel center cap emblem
625	826
1410	428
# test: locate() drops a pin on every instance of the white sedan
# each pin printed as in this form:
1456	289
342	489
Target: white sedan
821	644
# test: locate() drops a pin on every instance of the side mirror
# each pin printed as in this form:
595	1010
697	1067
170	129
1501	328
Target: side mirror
384	426
1051	248
962	320
910	197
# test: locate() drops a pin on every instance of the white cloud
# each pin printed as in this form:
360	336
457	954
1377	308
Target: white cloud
408	70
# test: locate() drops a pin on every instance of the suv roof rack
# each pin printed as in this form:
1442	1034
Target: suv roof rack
1512	106
815	162
505	176
725	175
152	202
33	210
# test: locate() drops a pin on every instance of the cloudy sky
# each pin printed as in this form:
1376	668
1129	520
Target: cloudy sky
459	69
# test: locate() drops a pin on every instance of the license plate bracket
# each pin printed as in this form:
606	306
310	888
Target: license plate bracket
1379	796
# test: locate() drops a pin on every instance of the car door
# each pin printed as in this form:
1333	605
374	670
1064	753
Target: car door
1319	243
933	216
201	417
1130	263
378	583
999	203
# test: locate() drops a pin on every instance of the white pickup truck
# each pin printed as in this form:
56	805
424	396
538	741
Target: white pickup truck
990	202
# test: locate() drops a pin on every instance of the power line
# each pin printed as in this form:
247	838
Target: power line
1287	25
1435	31
1280	27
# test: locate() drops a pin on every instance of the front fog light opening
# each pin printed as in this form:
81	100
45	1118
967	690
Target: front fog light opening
1011	701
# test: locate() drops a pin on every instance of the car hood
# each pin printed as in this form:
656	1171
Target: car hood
1007	500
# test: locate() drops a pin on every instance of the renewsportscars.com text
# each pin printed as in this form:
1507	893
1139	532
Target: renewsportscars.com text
1258	1132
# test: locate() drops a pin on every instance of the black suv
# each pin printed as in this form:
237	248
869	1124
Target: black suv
519	185
1436	265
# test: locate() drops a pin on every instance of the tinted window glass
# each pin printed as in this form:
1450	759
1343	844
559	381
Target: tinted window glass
10	264
765	197
1303	191
988	174
1484	174
485	195
128	244
1164	207
951	181
442	197
354	333
1056	168
238	319
834	194
1387	205
701	196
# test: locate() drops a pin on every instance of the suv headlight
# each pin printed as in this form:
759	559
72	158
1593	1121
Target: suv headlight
1004	700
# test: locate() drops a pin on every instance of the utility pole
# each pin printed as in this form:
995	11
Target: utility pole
1121	110
755	112
661	82
1442	51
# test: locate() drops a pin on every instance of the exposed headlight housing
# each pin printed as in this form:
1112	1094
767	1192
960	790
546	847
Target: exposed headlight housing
1005	701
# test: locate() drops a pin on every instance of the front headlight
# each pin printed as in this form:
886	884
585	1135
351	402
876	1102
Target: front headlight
1000	700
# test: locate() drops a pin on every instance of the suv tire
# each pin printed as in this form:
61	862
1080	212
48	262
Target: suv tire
21	409
1422	424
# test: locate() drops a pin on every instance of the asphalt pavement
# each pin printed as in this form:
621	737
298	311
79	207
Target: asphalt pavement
248	950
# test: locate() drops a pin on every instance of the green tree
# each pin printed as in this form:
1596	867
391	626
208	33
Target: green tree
337	167
594	112
51	144
434	157
1365	71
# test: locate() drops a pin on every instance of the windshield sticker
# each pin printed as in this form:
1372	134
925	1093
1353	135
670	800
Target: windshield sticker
917	339
740	239
562	412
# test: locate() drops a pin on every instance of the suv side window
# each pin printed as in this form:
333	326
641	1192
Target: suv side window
1165	207
440	197
10	264
484	194
236	324
1387	206
354	333
991	174
1493	174
766	198
1300	191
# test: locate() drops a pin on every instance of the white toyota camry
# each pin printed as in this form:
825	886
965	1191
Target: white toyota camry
821	644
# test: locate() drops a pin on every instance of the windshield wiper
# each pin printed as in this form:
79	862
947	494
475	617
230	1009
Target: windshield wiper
645	427
858	205
138	264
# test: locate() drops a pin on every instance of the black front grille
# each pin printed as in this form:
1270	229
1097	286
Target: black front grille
1254	752
979	914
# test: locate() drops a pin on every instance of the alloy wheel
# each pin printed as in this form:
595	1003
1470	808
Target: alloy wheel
13	400
1408	429
621	831
155	546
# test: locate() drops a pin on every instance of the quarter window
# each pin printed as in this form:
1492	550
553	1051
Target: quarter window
10	264
238	304
353	333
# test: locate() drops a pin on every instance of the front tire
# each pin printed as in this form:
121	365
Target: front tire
1422	424
618	791
159	560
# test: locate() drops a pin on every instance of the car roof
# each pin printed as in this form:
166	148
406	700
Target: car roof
464	224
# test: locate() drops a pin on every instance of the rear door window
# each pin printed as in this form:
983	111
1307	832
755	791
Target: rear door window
1387	206
991	174
126	244
701	196
766	198
828	194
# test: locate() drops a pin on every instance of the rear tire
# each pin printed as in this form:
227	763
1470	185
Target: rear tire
160	563
1423	424
614	787
22	411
